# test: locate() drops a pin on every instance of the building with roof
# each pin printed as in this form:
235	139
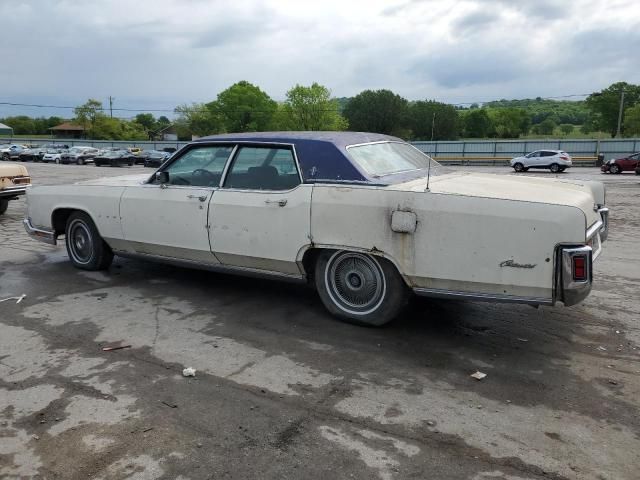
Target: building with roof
68	130
5	129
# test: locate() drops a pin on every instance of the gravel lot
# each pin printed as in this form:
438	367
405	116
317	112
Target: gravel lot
284	391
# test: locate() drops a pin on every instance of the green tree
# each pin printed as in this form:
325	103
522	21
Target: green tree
162	122
380	111
147	120
546	127
197	119
605	105
431	119
243	107
477	123
88	114
106	128
509	122
632	121
312	108
566	129
21	124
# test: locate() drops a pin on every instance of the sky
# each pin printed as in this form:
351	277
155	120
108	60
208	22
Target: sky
156	54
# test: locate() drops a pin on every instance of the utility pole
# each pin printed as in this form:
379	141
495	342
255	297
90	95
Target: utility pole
111	106
620	112
433	125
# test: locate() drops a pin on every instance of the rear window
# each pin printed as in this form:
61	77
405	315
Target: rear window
387	158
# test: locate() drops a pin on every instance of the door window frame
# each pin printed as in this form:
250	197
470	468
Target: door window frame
232	156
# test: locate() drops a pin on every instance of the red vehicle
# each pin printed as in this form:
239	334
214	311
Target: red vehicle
619	165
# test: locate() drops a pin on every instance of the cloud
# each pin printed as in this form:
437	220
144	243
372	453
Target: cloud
164	52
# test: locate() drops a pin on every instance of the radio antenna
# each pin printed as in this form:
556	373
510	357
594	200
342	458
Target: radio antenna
428	173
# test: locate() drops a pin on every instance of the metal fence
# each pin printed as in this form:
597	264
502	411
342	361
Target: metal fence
477	152
501	151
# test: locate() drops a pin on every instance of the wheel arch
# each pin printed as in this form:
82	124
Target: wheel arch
60	216
308	255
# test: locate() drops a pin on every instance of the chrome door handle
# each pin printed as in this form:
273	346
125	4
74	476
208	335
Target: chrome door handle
202	198
281	203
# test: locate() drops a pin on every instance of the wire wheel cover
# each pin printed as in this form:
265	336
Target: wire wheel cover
355	282
80	242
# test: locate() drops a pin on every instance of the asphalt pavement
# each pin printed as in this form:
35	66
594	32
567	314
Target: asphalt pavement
284	391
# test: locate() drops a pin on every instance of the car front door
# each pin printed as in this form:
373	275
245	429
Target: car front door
532	159
170	219
630	163
261	217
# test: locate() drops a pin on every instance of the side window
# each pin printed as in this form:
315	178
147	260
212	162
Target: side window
263	168
199	167
533	155
548	154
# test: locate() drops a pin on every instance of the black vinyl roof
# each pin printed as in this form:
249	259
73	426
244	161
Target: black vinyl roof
322	155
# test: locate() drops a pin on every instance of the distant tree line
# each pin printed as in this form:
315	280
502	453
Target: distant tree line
244	107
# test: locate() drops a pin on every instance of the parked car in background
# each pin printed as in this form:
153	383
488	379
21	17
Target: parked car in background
114	158
154	158
12	152
79	155
14	180
36	152
52	155
554	160
624	164
367	219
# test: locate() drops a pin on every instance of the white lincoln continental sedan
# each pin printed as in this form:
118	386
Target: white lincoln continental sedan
366	218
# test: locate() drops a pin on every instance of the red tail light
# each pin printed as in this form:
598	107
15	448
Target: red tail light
564	158
580	268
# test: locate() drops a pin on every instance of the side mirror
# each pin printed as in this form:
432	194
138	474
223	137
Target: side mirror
162	178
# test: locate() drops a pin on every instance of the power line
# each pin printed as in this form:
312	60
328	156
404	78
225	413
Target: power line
173	110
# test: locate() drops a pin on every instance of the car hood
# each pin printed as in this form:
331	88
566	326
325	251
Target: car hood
13	170
122	181
583	195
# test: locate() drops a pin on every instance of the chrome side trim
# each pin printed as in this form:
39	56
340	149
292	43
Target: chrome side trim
593	229
481	297
12	191
218	268
46	236
604	214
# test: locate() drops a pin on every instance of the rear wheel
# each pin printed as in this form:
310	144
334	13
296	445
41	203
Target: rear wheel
615	168
360	288
86	248
4	204
555	168
518	167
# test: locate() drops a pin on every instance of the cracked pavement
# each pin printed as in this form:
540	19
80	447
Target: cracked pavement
283	390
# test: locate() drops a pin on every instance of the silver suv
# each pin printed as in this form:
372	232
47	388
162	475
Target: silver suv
554	160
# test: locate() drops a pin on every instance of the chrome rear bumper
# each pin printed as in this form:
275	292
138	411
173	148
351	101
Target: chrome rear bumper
46	236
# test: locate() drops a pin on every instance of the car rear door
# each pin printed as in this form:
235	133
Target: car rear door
170	220
261	217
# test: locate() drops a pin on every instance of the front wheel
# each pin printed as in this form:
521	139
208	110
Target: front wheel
555	168
615	169
86	248
360	288
80	161
518	167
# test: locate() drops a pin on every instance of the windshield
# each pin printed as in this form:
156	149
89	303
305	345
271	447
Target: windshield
386	158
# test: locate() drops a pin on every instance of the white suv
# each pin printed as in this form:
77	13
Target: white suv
554	160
